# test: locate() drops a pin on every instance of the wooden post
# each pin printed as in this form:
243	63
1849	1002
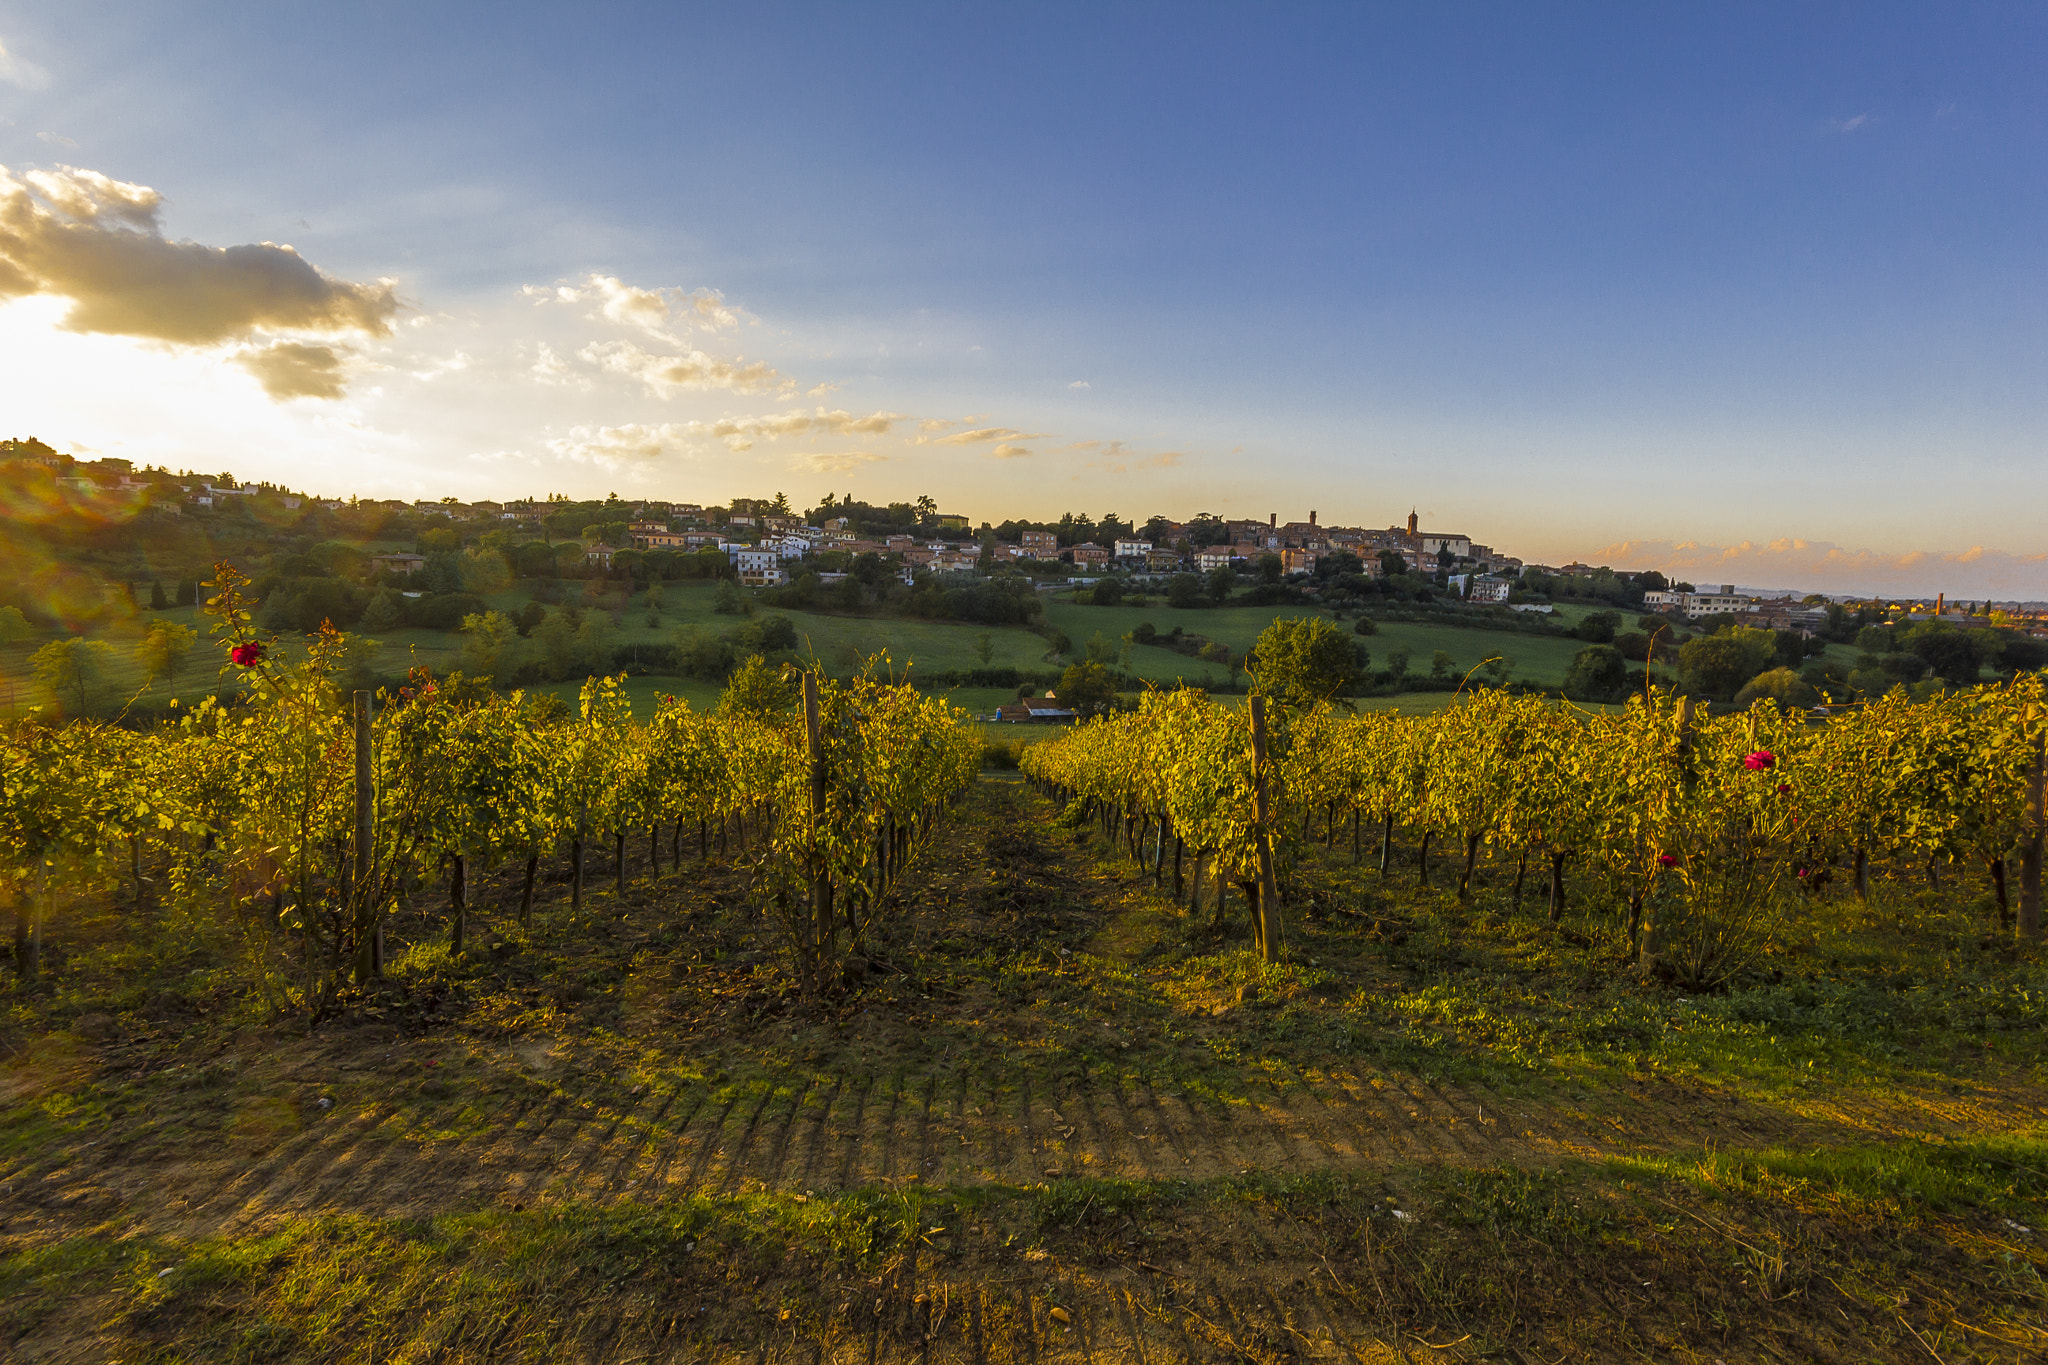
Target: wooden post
458	905
823	925
1269	890
369	957
1650	950
2029	925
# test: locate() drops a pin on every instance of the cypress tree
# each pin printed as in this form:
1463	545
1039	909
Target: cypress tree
157	600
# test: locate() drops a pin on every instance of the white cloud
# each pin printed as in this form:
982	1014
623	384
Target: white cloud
1849	125
740	433
1078	384
20	71
56	139
612	446
1006	451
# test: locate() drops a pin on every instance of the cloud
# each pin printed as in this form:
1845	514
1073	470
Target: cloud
79	235
658	312
1116	457
291	369
967	438
740	433
1006	451
1078	384
57	139
1849	125
18	71
1825	567
550	368
663	374
841	462
613	445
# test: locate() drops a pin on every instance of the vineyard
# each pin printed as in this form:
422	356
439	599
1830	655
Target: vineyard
457	1025
1708	831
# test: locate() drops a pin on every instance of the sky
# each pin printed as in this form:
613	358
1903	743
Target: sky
1746	293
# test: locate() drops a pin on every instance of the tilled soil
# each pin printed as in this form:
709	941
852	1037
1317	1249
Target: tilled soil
696	1079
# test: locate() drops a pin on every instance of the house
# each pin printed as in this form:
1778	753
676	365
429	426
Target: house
658	539
763	578
1489	591
1698	604
898	544
1044	710
599	554
1093	556
1132	549
1040	545
1298	561
747	558
407	564
1162	561
703	540
1212	557
950	522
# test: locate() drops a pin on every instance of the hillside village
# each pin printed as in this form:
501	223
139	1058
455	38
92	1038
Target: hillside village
767	543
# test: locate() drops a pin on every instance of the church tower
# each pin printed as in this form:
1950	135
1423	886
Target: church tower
1412	522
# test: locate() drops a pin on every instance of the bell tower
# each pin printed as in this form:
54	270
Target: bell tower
1413	521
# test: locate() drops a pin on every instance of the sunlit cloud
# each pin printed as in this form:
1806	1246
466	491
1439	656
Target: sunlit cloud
95	241
968	438
837	462
665	374
1825	567
740	433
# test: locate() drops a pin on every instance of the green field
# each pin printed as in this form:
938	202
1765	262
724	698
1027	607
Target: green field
840	643
1538	658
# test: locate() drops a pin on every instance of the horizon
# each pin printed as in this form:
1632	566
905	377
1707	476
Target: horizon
1740	296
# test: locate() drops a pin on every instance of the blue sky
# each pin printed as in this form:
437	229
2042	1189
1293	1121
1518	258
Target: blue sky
1753	293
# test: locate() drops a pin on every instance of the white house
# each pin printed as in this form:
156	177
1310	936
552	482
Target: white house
1133	549
752	559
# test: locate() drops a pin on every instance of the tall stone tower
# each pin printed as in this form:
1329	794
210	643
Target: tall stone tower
1413	521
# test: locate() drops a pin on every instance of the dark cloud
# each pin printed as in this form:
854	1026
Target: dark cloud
79	235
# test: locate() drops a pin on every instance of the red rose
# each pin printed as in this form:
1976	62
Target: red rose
247	656
1667	860
1760	760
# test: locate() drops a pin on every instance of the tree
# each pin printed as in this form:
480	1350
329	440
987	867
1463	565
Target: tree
1366	626
1101	649
1599	627
1397	662
1222	582
73	672
985	649
1392	563
1185	590
1598	673
490	636
157	600
163	650
727	601
1719	664
1781	685
1440	665
383	613
14	627
1271	568
1302	661
1087	689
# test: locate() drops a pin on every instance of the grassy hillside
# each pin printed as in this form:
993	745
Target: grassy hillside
1538	658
